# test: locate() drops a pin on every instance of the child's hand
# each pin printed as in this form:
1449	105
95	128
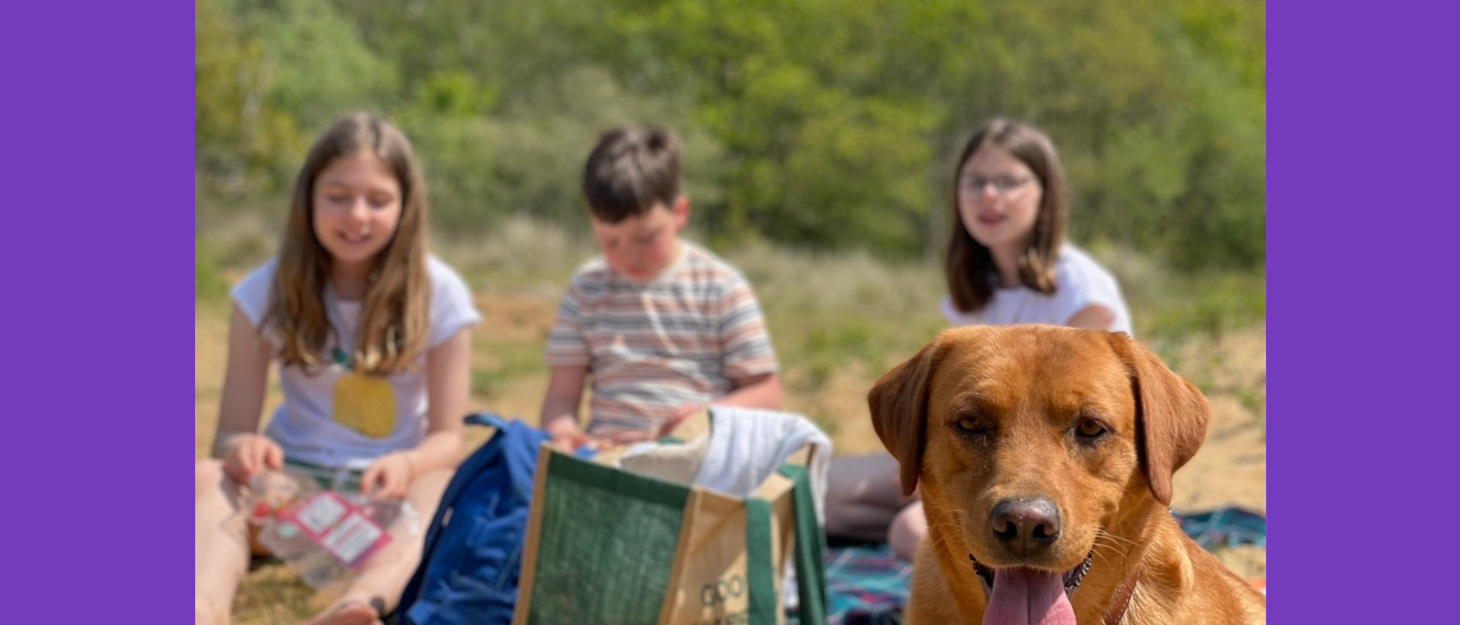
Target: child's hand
566	435
388	477
247	455
629	437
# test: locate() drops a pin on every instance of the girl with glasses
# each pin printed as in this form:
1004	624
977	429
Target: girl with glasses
1007	263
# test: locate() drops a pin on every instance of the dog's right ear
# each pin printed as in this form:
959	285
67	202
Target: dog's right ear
899	403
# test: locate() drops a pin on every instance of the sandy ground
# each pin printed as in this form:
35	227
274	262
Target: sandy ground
1230	469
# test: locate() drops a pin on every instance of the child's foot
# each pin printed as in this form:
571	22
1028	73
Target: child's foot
349	612
204	614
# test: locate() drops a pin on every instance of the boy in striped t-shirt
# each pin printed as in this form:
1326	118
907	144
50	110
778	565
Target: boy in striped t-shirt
663	326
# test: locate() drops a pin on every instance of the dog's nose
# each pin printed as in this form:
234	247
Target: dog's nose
1025	525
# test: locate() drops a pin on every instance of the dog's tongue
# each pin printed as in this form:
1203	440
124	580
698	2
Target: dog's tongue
1028	597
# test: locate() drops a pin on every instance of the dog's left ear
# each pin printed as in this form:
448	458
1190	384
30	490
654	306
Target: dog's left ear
1171	415
899	404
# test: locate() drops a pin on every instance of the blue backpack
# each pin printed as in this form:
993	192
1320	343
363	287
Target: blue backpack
473	550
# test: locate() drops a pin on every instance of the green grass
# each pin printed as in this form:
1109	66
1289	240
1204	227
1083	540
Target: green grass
513	360
1210	304
828	310
1165	304
824	310
210	284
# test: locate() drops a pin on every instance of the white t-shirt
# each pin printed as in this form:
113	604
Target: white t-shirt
308	425
1079	282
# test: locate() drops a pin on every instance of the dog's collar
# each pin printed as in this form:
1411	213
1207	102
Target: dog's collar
1120	600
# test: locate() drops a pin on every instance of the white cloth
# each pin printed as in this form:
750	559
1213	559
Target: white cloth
747	446
1079	282
305	425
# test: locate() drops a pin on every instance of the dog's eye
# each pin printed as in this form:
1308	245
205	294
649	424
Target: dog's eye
1089	428
972	426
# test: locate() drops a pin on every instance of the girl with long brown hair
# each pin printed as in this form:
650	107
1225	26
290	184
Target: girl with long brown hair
371	335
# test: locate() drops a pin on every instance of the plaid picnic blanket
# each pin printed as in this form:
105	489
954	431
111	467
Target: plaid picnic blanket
1224	527
865	585
868	584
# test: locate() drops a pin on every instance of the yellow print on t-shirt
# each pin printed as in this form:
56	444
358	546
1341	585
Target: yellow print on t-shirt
365	403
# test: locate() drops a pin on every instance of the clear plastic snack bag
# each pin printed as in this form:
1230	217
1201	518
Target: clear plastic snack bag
325	535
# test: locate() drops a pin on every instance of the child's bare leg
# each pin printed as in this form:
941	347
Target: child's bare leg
907	530
863	495
220	543
383	579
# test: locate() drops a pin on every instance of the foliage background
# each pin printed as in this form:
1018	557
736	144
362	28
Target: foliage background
822	124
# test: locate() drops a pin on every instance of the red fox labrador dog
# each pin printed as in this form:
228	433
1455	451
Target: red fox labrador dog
1044	458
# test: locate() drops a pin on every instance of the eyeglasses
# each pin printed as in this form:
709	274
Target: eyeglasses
1003	185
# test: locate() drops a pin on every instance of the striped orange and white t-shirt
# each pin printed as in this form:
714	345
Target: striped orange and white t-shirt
655	347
